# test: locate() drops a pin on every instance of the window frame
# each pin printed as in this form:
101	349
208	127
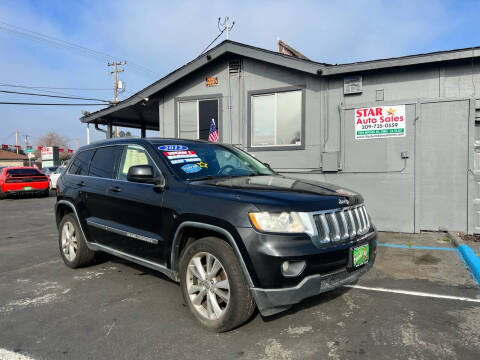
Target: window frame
125	148
199	98
251	94
70	163
115	166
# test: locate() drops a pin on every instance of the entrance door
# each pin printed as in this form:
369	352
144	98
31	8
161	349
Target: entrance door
441	166
207	110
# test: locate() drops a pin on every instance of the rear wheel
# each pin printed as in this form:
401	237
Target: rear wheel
213	285
73	248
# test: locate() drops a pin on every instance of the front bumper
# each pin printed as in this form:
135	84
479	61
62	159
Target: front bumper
272	301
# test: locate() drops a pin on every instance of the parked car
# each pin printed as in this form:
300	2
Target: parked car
49	170
234	233
22	180
55	176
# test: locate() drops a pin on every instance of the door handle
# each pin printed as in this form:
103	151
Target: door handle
81	183
115	188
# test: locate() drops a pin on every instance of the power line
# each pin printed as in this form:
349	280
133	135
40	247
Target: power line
212	42
98	55
52	96
38	89
55	88
46	104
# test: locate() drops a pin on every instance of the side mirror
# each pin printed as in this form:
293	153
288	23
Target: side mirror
141	174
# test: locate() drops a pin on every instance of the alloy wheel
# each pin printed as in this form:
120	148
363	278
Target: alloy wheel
69	241
207	285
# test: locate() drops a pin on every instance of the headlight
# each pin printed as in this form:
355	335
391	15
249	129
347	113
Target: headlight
285	222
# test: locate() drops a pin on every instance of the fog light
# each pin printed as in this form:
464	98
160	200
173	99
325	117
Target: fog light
293	268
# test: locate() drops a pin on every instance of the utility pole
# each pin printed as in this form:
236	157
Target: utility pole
76	144
26	147
16	141
225	26
115	71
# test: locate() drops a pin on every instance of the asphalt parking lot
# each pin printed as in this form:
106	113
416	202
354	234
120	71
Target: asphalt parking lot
416	303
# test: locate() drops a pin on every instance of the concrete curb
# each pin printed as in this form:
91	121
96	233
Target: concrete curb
467	255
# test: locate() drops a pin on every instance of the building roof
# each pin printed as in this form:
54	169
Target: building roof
8	155
138	104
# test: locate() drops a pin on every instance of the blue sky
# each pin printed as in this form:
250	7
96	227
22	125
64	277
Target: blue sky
163	35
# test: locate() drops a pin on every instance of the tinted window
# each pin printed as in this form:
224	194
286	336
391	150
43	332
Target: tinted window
132	156
80	163
104	162
201	160
23	172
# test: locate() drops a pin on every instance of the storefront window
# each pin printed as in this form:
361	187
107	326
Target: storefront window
187	120
195	118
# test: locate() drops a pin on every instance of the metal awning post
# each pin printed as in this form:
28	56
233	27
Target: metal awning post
88	133
109	131
143	131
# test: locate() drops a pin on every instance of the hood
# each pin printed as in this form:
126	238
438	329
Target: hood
280	193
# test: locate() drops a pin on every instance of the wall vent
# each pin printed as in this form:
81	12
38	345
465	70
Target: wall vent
234	67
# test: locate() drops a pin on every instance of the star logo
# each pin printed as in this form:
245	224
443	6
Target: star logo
391	111
202	164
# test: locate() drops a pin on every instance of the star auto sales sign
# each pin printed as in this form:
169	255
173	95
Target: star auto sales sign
380	122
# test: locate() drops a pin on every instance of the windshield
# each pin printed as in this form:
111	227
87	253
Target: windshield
60	170
203	161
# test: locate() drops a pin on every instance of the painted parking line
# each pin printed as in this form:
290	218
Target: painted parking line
10	355
416	247
413	293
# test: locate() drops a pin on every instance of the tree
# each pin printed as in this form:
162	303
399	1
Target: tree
53	139
124	134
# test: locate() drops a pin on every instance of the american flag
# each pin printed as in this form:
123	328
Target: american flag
213	135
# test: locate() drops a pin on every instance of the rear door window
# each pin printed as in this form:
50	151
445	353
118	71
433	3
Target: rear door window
81	162
105	162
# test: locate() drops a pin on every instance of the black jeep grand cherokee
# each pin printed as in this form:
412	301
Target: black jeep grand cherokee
234	233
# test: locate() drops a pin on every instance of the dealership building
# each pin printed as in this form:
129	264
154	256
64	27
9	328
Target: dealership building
402	131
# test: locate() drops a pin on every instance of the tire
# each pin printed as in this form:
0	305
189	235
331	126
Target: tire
82	255
45	193
236	301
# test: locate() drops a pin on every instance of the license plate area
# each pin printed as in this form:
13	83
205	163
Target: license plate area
27	188
359	255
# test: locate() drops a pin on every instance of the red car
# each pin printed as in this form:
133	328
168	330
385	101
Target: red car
22	180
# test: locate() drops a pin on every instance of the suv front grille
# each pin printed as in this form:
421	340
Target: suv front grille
342	224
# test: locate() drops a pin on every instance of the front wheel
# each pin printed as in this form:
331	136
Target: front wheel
213	285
